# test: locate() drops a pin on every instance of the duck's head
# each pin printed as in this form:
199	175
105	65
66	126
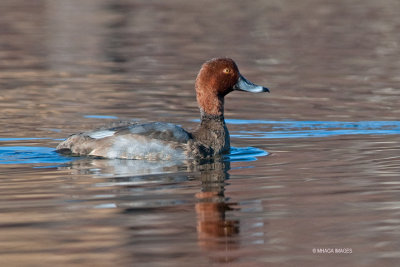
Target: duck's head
217	78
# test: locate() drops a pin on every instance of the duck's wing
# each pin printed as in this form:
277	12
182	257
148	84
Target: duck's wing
154	140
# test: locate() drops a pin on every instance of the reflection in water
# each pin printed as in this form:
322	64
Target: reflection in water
216	232
123	167
68	43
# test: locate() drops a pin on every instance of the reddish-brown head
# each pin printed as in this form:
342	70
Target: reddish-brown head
217	78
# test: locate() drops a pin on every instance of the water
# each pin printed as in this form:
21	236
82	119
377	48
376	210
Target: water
315	164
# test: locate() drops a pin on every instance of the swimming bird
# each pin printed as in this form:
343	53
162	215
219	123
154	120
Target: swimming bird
165	141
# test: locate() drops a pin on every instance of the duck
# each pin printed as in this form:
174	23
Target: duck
165	141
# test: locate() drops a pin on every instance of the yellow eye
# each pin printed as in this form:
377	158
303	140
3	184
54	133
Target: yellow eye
227	70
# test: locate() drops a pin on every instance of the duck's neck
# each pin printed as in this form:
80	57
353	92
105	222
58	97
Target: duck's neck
213	133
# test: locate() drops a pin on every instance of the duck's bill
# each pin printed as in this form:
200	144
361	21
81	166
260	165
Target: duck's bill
244	85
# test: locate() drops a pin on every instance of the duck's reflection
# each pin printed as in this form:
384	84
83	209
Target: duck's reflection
216	233
121	168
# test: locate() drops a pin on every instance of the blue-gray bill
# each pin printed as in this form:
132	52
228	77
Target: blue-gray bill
244	85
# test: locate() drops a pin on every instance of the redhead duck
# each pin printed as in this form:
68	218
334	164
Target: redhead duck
166	141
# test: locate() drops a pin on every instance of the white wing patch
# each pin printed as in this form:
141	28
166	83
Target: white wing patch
101	134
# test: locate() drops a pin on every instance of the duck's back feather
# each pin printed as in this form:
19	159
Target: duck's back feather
154	140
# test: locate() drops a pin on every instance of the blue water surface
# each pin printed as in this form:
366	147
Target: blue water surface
21	139
304	129
30	155
100	117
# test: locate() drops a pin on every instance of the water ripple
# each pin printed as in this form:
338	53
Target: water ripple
100	117
303	129
238	154
30	155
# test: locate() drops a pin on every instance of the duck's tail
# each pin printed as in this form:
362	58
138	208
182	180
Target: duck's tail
77	144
